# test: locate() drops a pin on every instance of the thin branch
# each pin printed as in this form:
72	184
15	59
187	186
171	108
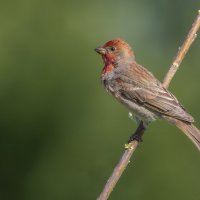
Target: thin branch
119	169
132	146
182	51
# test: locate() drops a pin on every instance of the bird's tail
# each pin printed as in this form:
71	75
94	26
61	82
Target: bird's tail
189	129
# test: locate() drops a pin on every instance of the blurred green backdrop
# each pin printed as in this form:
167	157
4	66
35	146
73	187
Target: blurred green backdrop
60	133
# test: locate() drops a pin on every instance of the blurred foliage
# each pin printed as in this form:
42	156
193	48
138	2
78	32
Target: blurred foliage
60	133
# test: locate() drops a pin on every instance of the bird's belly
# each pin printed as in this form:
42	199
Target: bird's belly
141	112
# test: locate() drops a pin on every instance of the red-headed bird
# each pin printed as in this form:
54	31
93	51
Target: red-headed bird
138	89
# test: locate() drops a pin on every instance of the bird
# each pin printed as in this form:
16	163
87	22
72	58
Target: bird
138	90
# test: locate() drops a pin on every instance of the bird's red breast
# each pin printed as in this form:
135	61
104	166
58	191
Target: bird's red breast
107	68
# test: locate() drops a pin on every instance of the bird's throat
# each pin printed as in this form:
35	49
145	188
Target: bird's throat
107	68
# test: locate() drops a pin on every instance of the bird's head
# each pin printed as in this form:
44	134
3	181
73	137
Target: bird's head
115	51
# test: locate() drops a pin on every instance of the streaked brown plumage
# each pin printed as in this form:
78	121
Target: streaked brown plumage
137	88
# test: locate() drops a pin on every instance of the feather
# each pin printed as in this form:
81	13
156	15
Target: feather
152	95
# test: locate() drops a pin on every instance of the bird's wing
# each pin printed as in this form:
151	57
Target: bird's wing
157	100
139	85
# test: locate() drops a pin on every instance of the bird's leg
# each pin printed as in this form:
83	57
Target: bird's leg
138	133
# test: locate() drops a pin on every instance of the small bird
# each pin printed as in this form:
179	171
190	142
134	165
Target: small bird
138	89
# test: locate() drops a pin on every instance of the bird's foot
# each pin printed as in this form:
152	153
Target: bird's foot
137	137
138	133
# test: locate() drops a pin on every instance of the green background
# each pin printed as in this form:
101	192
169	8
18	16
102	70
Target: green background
61	134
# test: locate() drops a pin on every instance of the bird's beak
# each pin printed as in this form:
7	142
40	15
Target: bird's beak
100	50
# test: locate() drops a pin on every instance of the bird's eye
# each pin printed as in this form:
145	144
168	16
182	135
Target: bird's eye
112	48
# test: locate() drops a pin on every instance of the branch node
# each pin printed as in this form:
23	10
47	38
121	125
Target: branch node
175	65
128	146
